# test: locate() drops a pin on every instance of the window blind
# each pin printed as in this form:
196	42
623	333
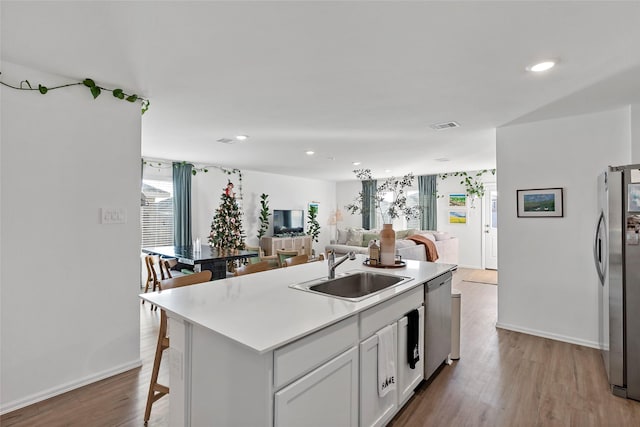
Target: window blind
156	213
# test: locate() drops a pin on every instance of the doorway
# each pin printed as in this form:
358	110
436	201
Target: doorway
490	227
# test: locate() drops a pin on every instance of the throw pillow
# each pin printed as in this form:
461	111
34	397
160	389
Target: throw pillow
428	236
342	236
412	231
354	237
442	235
401	234
367	237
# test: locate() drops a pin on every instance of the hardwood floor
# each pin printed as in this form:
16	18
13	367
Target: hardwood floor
506	378
503	378
115	401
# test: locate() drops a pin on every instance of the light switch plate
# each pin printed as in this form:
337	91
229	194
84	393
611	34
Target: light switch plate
113	216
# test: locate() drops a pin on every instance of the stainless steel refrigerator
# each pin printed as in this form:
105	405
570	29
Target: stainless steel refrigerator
617	257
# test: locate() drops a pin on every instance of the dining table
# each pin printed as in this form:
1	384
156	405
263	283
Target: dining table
202	257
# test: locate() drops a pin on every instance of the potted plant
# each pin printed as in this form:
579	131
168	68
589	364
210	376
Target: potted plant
314	226
264	215
390	199
389	209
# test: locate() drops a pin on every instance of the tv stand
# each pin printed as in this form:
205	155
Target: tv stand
270	245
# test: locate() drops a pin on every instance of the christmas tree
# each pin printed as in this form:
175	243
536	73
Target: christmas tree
226	228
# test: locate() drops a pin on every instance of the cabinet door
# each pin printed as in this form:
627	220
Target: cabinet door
298	245
327	396
375	410
408	379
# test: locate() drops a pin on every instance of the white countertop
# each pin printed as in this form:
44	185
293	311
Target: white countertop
262	312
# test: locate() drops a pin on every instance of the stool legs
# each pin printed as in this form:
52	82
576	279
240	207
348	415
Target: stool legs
156	391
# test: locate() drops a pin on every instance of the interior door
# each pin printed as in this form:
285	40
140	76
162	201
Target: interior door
490	227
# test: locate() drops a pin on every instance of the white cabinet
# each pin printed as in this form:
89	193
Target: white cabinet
327	396
270	245
374	410
408	379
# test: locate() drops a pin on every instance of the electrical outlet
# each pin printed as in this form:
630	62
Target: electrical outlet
113	216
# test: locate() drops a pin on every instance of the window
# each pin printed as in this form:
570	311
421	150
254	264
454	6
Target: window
156	213
399	223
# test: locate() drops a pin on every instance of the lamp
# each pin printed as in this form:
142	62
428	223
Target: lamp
334	218
331	222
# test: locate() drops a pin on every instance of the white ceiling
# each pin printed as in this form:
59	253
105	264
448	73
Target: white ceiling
349	80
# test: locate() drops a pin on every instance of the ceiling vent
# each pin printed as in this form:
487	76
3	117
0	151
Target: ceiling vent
445	125
226	140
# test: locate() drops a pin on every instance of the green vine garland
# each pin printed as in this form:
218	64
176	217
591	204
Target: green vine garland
203	169
93	88
472	184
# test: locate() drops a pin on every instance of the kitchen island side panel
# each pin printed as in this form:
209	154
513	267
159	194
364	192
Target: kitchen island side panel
230	383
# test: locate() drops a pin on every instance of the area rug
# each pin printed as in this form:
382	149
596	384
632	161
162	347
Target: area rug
482	276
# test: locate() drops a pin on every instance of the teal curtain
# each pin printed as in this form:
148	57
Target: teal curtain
182	204
369	204
428	202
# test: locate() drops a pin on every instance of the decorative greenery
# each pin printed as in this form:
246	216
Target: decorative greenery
226	228
398	205
474	187
264	215
196	169
314	226
93	88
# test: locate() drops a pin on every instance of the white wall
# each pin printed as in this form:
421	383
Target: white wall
548	284
69	307
635	133
469	234
346	193
285	192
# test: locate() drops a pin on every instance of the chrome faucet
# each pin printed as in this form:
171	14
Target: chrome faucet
333	264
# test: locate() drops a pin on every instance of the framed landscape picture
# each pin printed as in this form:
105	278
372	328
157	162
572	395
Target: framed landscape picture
457	200
541	202
457	217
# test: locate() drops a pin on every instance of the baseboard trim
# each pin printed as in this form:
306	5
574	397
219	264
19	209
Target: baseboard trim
46	394
473	267
552	336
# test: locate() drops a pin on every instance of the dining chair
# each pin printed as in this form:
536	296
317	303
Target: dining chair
155	266
295	260
284	254
252	268
271	259
156	390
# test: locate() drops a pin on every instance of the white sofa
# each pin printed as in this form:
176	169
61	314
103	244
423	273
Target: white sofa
357	240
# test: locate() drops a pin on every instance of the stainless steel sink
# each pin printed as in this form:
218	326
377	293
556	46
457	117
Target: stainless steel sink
353	285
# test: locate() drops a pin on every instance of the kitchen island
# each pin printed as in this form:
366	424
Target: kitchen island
250	350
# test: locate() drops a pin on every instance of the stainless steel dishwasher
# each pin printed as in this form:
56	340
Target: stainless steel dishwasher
437	328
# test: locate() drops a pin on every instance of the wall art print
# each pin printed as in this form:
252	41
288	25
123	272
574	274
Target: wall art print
540	202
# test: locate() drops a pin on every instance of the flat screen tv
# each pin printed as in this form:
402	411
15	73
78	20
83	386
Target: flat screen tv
288	221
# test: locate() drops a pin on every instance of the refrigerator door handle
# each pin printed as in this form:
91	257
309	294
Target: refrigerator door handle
597	248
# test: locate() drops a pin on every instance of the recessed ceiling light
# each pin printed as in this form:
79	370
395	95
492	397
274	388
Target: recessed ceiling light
356	163
310	153
241	137
387	171
542	66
